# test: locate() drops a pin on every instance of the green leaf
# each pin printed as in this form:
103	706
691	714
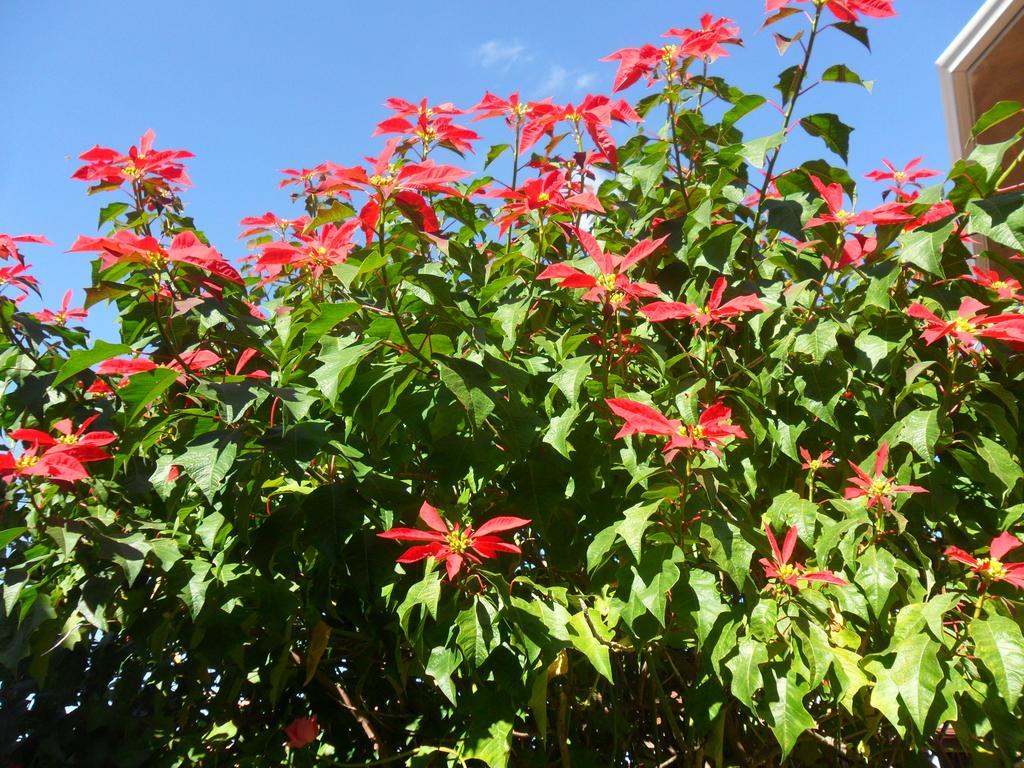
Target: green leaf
840	73
652	583
441	665
727	548
917	674
920	430
476	625
423	594
558	430
470	384
831	130
819	342
746	672
789	509
876	577
495	152
9	535
570	378
851	677
208	459
999	218
1002	110
856	31
339	358
584	640
703	603
1000	646
1000	462
789	716
923	248
81	359
145	388
754	151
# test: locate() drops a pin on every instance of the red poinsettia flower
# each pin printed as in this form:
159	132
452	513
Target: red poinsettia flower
9	245
301	732
712	312
81	445
1006	288
548	194
844	10
635	63
432	125
454	544
185	248
833	194
876	487
814	464
196	360
707	42
611	287
51	465
992	568
270	222
595	114
142	163
710	431
323	248
16	276
62	316
910	175
791	574
969	324
389	180
243	360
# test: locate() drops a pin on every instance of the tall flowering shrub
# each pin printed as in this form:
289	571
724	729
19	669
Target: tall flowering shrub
636	448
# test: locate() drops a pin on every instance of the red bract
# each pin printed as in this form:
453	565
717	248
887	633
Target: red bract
9	245
712	312
710	431
707	42
196	360
635	63
792	573
548	194
814	464
595	114
432	125
65	313
969	325
844	10
329	245
454	545
611	287
910	174
79	444
301	732
142	163
185	248
992	568
1006	288
269	222
52	466
401	184
17	277
876	487
832	194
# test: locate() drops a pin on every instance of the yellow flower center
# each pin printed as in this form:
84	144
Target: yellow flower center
458	541
543	197
844	216
131	171
964	326
880	487
668	52
615	298
606	281
428	135
900	176
520	109
990	568
382	180
998	285
697	431
155	259
68	439
814	465
573	116
23	462
787	571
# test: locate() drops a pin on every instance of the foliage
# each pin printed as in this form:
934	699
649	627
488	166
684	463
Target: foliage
610	372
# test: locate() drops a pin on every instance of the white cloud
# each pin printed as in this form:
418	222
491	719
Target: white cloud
584	81
500	54
555	79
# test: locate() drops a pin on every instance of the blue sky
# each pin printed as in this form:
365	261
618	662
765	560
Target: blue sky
252	86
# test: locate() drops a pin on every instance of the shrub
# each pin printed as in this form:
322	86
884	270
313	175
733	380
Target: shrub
645	452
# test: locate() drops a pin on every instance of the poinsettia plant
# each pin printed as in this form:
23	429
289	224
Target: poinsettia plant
626	360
